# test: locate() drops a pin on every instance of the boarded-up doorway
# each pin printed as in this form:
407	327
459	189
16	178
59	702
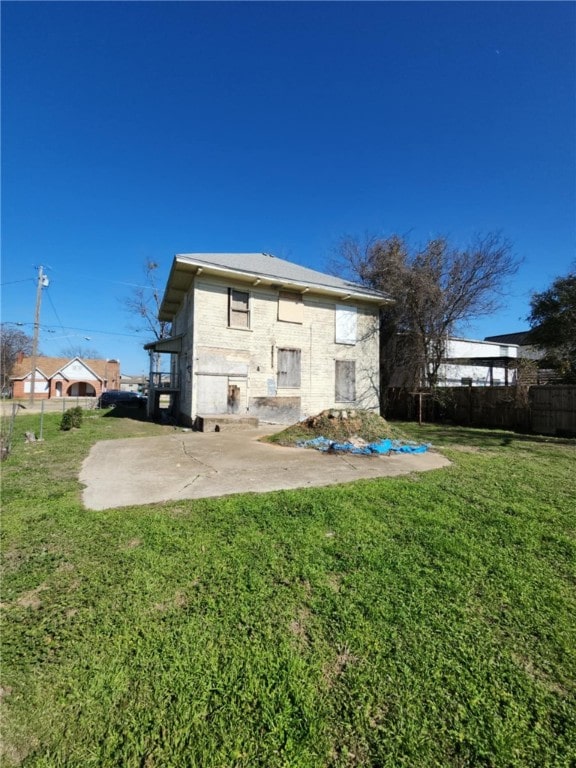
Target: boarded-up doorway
233	398
212	394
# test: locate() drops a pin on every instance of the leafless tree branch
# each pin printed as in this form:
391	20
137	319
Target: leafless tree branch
143	304
437	288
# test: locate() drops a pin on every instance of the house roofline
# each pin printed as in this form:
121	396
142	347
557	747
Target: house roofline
29	373
481	341
189	268
57	371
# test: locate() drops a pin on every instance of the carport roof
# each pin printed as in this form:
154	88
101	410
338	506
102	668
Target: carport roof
487	361
521	338
258	269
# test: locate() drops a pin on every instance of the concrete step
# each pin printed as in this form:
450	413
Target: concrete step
224	423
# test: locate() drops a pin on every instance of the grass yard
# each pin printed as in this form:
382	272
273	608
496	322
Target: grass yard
421	621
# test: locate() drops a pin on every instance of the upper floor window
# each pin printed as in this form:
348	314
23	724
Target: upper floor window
346	323
290	307
238	308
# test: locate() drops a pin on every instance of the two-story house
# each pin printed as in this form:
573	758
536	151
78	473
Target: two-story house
256	335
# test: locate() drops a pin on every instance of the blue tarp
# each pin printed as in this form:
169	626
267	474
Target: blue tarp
379	447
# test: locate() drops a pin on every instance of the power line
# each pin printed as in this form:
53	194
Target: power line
10	322
86	330
90	279
94	330
54	309
13	282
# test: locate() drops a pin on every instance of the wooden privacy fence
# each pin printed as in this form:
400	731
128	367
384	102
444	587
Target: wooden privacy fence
548	410
553	410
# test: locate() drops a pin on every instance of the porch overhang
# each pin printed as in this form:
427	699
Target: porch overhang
171	345
487	362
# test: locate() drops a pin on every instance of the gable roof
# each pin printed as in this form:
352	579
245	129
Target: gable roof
50	366
258	269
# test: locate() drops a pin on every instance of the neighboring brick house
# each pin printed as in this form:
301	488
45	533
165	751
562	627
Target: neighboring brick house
64	377
256	335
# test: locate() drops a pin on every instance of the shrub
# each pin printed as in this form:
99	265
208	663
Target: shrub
71	418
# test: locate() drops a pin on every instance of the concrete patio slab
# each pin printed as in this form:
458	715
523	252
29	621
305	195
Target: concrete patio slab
194	465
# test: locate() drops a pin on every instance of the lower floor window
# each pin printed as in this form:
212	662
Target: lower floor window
345	381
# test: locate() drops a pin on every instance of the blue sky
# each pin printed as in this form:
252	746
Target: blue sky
134	131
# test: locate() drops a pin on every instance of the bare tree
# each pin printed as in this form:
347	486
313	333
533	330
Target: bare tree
437	288
78	350
13	342
143	304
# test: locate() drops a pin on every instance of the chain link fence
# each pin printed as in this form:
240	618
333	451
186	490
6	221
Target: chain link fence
10	409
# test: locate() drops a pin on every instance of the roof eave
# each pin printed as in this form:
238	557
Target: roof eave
184	271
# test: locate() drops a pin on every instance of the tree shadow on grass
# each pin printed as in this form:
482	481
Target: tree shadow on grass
446	435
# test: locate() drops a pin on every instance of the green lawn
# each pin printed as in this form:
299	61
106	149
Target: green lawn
421	621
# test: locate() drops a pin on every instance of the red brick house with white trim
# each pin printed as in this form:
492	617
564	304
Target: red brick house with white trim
64	377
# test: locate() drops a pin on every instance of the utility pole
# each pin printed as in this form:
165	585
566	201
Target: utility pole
42	283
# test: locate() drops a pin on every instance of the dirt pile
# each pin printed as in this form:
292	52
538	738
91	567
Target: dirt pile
339	425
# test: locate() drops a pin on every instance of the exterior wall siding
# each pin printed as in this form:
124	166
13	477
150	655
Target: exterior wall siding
183	324
248	357
21	389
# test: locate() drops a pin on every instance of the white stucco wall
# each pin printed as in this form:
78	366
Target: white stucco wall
451	375
77	370
182	364
474	348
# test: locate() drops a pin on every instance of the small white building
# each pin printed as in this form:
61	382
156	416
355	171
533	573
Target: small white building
260	336
134	383
469	362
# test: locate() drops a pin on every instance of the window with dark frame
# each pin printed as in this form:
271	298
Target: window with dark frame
345	381
238	308
289	367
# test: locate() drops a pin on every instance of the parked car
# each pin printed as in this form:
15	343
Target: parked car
120	397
